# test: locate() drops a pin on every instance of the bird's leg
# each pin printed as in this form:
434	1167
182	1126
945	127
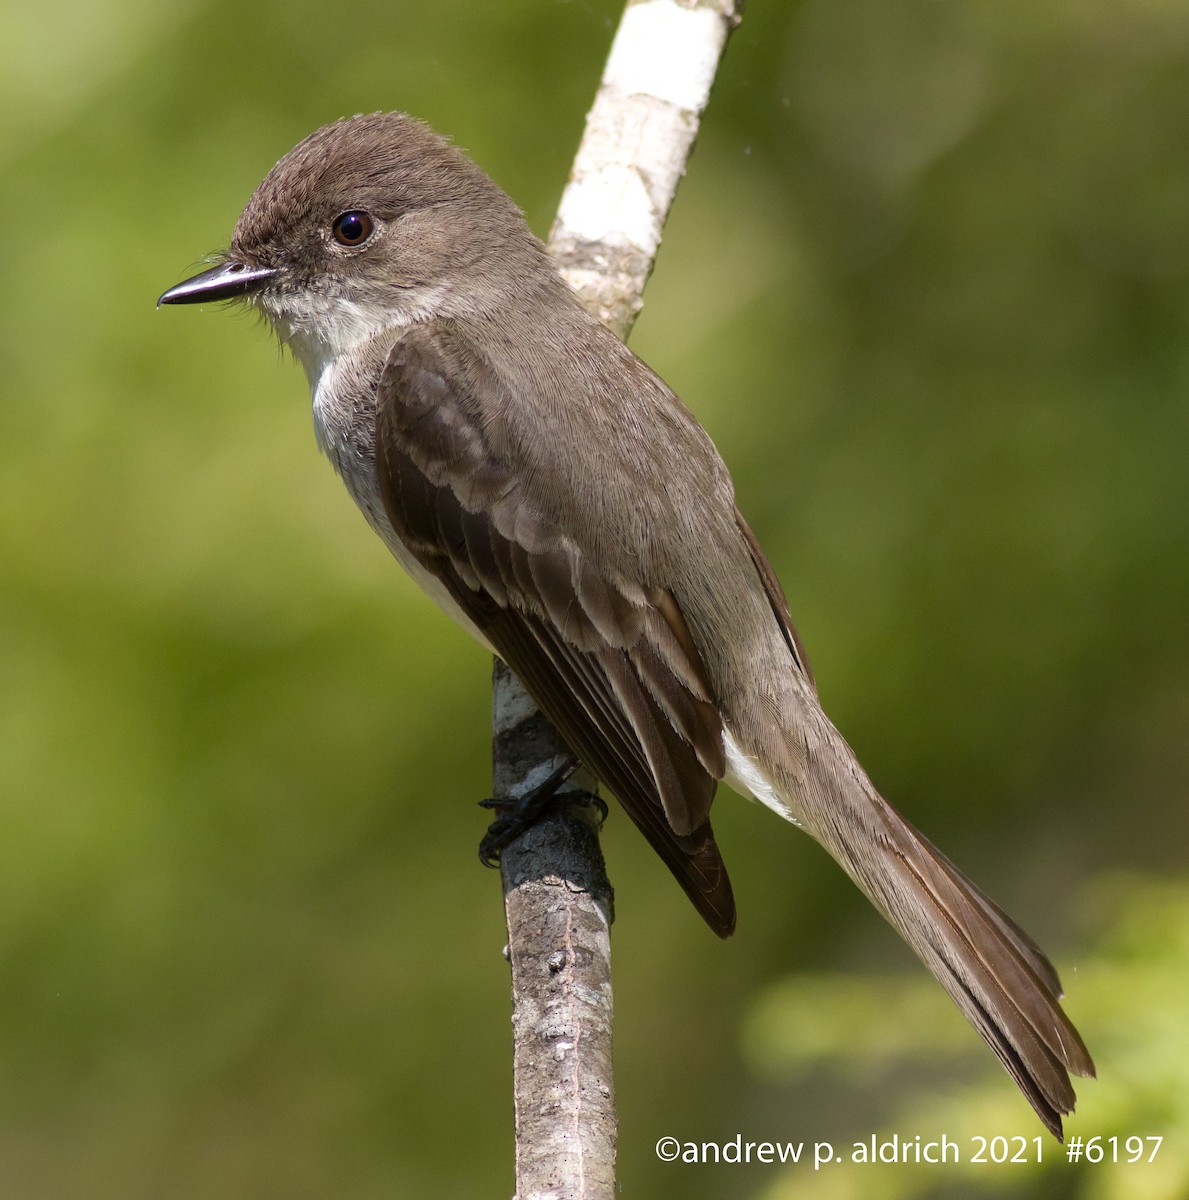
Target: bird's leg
515	816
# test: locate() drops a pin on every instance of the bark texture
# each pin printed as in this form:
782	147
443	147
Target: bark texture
558	902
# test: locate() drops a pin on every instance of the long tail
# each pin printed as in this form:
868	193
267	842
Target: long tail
992	970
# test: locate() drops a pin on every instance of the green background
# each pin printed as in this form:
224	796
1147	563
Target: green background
925	284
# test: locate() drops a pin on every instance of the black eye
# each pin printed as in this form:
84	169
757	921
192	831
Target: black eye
352	228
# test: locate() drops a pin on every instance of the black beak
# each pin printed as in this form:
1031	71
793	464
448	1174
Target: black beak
223	282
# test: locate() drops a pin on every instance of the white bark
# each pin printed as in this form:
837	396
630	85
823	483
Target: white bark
638	137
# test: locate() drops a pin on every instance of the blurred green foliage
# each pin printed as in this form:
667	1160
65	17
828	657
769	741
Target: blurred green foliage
926	285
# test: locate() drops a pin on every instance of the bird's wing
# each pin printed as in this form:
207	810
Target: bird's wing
777	599
609	660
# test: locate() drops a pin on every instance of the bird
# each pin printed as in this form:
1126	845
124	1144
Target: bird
553	495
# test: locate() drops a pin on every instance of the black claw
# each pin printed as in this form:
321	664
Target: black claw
517	815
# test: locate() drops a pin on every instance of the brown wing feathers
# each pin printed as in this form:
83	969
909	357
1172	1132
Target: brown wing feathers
614	669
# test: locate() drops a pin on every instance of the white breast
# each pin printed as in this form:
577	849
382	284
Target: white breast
345	426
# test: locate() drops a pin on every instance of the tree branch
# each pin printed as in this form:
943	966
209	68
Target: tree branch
557	900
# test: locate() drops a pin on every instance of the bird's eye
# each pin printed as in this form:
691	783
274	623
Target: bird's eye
352	228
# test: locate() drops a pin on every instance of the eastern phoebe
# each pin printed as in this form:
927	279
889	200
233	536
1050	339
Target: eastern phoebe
562	504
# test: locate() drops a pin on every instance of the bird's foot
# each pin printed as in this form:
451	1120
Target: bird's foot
515	816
